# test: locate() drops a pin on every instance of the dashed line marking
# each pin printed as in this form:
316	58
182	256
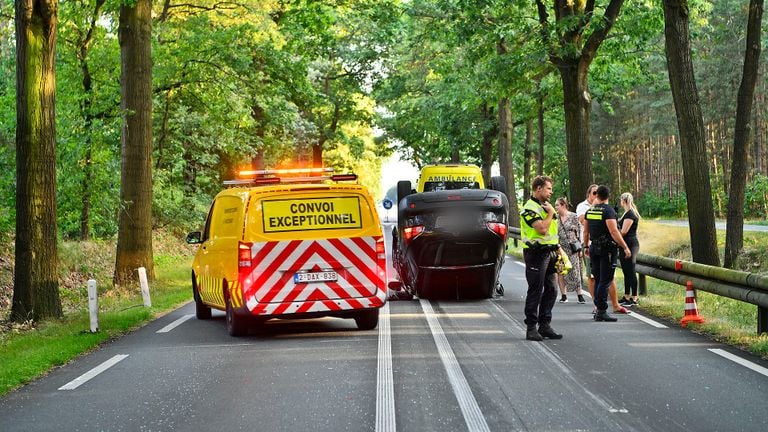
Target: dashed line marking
84	378
473	417
746	363
175	324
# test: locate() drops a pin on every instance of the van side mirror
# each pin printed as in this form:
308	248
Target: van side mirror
195	237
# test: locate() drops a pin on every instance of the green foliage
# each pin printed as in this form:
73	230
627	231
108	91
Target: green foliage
756	197
662	205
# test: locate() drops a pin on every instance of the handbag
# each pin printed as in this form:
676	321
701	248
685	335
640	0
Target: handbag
575	246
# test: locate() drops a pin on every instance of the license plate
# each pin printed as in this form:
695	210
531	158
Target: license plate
447	222
309	277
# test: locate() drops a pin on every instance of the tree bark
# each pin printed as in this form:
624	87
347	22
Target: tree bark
577	105
691	128
134	241
734	232
36	286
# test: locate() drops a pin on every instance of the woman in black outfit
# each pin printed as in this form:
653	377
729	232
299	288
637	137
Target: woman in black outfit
628	226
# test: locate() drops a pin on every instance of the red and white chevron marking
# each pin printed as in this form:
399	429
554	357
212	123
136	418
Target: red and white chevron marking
269	289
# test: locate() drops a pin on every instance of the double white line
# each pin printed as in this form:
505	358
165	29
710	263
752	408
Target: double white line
385	402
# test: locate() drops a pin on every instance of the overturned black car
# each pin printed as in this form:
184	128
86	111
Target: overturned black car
450	243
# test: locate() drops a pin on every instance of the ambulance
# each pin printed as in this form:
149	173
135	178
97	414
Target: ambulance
290	244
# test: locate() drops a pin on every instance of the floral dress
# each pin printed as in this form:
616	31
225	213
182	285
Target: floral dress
569	231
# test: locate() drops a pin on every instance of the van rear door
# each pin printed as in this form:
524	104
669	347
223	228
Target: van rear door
313	245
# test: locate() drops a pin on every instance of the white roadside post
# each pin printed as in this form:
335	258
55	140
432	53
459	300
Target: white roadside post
144	287
93	305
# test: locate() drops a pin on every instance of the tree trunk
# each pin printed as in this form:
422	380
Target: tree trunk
734	233
506	132
572	54
134	240
36	286
691	128
83	47
486	152
577	105
527	159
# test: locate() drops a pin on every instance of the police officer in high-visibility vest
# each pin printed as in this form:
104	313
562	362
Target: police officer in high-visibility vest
538	229
603	251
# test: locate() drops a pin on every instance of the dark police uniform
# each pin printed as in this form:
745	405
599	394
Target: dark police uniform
603	252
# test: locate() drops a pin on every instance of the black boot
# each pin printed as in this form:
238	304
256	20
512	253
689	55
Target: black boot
545	330
603	316
532	334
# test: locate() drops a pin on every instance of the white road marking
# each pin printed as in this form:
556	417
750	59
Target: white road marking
175	324
473	417
385	388
569	375
82	379
647	320
522	264
746	363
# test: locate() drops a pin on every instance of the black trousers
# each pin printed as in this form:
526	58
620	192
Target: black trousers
542	288
628	267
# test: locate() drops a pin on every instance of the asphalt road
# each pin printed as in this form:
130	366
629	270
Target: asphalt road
430	366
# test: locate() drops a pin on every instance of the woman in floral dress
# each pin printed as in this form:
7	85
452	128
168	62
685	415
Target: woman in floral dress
569	231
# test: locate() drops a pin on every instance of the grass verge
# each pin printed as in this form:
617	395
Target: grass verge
28	352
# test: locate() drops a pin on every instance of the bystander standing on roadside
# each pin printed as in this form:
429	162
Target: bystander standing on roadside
602	230
569	233
628	226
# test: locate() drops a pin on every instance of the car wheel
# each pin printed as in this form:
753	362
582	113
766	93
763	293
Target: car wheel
202	312
236	326
499	183
367	320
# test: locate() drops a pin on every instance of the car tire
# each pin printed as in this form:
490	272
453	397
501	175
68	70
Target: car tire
202	312
367	320
403	190
499	183
236	325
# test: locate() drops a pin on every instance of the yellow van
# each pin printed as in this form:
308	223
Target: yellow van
280	246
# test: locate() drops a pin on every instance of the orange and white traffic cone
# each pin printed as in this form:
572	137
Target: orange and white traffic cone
691	311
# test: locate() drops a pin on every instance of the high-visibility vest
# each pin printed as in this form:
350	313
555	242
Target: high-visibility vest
529	234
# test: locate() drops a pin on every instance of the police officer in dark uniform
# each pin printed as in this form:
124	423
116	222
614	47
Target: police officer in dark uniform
538	230
602	229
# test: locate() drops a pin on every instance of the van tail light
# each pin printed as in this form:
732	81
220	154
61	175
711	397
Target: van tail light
381	253
498	228
244	258
381	258
410	233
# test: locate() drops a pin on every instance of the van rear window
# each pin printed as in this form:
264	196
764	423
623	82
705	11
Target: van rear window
302	214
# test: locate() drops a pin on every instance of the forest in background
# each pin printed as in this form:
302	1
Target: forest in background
271	83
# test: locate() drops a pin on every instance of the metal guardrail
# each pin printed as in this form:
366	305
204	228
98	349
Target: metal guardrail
738	285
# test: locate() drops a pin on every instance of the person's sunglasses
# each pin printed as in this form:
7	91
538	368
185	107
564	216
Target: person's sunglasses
594	192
